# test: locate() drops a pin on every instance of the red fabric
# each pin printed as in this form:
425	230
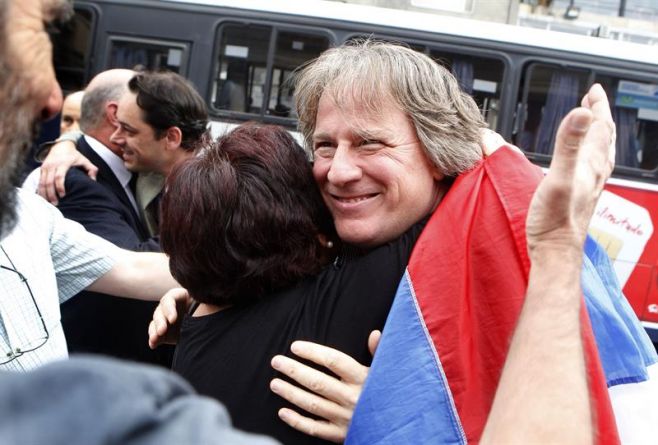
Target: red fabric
472	292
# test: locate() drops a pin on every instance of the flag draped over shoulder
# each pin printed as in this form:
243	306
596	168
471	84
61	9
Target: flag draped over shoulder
437	367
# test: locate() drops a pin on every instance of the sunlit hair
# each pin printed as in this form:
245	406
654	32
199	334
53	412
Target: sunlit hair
370	74
242	219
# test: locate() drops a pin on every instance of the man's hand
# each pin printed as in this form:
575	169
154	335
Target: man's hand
165	326
490	141
60	159
329	398
584	157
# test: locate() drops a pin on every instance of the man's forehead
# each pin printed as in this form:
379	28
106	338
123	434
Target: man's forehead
364	121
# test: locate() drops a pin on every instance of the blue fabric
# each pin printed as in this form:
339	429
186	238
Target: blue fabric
624	347
405	399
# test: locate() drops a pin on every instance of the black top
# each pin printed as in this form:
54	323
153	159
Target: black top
226	355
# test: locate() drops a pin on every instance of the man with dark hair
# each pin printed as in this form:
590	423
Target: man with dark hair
162	120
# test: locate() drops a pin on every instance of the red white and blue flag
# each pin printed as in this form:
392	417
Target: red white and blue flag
437	367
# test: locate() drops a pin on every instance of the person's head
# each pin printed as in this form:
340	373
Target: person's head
98	117
162	120
70	120
28	89
386	125
243	218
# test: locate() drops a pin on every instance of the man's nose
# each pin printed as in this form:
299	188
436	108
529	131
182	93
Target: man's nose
117	138
344	166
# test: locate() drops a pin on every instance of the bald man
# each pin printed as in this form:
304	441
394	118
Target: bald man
70	120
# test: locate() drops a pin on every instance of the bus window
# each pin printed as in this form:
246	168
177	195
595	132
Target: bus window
147	54
242	73
549	93
71	46
292	50
635	112
244	69
479	76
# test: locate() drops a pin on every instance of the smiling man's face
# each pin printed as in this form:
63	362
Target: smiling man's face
372	171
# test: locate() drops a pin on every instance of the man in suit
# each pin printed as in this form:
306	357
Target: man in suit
106	207
162	120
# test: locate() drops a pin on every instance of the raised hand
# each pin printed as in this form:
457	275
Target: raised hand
583	160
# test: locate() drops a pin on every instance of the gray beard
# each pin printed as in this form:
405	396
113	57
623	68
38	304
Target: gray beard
18	127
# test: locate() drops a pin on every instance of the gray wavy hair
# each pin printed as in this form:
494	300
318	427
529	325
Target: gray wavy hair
370	73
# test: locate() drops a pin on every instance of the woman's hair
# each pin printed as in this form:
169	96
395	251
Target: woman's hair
242	218
369	74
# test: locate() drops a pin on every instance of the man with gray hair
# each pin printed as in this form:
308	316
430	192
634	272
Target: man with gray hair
389	130
96	401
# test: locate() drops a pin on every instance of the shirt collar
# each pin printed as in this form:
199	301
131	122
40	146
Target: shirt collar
113	161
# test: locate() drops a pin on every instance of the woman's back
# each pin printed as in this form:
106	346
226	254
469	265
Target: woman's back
226	355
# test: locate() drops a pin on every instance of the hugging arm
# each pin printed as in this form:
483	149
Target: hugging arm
61	157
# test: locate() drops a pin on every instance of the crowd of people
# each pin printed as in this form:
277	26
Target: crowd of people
280	275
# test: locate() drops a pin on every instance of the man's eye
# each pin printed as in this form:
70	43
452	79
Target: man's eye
371	143
67	120
324	149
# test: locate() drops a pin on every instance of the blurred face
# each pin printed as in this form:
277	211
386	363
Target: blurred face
30	51
372	171
142	151
71	113
27	87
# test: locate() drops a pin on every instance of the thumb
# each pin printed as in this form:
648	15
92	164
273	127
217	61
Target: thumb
373	341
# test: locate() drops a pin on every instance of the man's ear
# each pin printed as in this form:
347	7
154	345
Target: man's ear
436	174
111	113
174	137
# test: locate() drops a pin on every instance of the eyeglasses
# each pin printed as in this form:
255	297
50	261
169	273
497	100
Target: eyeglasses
13	352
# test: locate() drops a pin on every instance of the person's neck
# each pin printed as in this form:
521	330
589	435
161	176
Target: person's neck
103	135
208	309
441	190
179	157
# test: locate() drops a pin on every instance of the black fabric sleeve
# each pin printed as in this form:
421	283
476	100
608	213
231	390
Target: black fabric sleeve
100	212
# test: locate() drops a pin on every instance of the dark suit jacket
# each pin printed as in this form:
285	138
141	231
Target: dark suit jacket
96	322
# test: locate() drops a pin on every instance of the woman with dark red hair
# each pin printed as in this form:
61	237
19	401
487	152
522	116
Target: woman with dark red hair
249	236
